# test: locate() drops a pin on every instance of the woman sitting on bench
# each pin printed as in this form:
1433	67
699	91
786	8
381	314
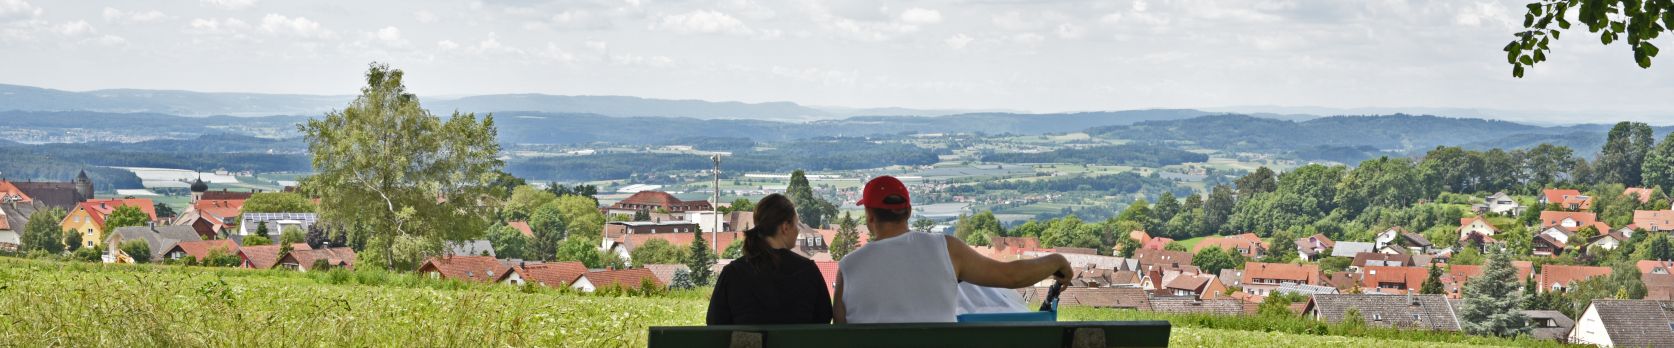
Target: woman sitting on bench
770	284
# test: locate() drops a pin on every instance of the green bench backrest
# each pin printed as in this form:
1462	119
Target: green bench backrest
1021	334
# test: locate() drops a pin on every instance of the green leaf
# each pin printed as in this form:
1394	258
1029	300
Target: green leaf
1539	56
1606	38
1534	9
1618	26
1517	71
1555	32
1526	60
1644	61
1562	23
1650	50
1528	21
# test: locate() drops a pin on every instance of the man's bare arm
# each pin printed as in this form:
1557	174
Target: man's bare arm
977	269
839	315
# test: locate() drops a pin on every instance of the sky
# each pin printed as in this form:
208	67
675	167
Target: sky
1023	55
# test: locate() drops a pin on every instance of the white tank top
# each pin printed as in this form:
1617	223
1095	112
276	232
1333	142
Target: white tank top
905	279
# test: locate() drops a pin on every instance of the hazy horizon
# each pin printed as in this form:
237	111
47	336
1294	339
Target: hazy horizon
1037	57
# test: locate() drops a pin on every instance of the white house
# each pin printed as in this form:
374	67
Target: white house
1501	204
1625	323
1476	225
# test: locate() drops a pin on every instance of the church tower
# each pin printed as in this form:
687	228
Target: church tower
84	186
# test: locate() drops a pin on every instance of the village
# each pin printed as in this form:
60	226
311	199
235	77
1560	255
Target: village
1399	279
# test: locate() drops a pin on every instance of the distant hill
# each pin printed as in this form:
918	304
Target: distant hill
549	128
1350	137
25	98
188	103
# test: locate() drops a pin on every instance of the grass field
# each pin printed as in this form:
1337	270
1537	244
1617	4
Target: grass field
77	304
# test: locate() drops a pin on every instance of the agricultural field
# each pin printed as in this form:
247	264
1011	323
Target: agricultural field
78	304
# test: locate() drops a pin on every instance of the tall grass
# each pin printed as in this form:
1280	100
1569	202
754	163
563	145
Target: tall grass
72	304
1294	325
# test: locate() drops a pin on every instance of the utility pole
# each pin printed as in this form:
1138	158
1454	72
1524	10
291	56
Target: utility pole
715	235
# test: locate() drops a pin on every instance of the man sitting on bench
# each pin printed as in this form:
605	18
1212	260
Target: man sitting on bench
902	276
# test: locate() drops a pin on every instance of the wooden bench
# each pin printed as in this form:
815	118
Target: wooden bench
1076	334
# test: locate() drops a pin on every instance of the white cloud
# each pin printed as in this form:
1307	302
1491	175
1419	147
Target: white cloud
1479	13
447	45
958	41
300	27
425	17
391	34
1014	21
218	26
18	8
76	28
921	16
1070	31
705	22
112	40
229	4
112	14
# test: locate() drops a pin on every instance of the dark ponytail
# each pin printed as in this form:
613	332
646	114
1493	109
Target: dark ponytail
771	212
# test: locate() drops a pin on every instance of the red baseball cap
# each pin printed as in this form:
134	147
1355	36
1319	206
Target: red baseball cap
880	188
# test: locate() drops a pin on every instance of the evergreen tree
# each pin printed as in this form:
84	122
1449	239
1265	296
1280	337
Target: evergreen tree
547	224
261	230
847	238
1492	301
702	260
812	209
682	280
1432	284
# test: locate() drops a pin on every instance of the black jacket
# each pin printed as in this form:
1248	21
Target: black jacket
792	292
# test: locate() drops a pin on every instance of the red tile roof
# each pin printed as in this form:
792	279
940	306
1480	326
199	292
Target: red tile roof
1641	193
682	239
828	270
1654	220
522	226
1281	272
98	209
1157	243
1568	198
861	231
1248	242
1140	236
1553	218
1408	278
1164	258
549	274
1564	275
625	278
661	200
1455	276
466	268
264	256
1652	266
9	190
200	248
219	209
337	257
